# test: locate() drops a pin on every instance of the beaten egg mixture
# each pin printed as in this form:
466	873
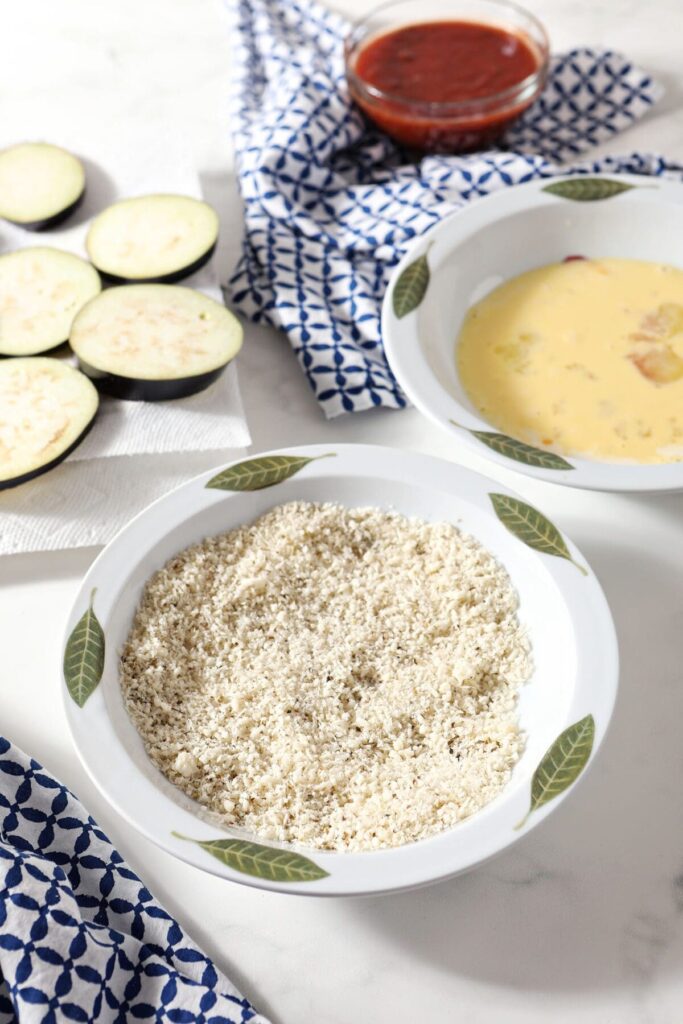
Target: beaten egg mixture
583	357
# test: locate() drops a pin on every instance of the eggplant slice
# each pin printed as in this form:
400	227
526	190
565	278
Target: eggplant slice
41	290
46	409
152	239
40	184
153	342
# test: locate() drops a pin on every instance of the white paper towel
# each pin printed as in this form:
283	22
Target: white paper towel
212	419
126	461
83	503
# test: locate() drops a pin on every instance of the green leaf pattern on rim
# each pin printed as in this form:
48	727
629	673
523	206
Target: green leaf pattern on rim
263	471
410	289
84	656
531	527
260	861
561	764
587	190
516	450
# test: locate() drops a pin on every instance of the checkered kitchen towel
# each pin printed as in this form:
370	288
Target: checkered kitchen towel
81	938
331	204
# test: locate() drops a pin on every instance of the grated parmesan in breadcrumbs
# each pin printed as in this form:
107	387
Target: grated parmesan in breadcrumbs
341	678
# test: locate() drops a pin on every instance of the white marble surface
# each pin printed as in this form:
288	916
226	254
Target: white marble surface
581	923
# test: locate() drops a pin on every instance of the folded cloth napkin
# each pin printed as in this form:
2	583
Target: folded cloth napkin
331	204
81	937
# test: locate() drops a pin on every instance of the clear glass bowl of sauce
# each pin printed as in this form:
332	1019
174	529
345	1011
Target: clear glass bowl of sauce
446	76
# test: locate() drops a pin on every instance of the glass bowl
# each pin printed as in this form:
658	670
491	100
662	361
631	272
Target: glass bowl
452	126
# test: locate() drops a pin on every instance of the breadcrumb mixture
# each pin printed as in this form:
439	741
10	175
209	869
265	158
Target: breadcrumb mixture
345	679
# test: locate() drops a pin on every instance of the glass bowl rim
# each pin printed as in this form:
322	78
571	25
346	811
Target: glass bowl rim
495	100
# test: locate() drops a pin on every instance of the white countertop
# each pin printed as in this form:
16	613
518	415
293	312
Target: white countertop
582	922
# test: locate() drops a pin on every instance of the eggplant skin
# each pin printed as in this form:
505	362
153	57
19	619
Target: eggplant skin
137	390
172	278
50	222
25	477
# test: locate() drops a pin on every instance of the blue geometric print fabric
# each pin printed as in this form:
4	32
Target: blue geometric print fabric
331	205
81	938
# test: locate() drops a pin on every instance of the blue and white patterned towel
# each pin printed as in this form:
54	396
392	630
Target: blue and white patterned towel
81	938
331	204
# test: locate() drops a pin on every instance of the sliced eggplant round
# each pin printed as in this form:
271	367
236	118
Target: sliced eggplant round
41	290
46	409
153	342
40	184
152	239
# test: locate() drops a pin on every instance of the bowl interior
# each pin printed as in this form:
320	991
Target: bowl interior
563	611
544	700
495	239
524	240
396	14
443	121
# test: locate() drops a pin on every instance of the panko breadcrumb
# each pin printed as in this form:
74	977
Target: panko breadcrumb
344	679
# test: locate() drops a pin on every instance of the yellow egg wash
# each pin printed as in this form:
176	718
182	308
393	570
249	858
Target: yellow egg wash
583	357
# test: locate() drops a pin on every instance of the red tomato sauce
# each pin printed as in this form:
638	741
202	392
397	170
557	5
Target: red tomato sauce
445	62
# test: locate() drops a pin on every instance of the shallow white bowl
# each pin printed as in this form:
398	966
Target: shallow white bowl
561	605
493	240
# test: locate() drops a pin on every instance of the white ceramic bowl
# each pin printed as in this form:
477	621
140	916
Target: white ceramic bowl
561	605
494	239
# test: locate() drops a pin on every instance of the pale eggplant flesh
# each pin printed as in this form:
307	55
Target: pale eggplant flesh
171	278
154	342
41	291
41	185
24	478
54	220
153	239
47	408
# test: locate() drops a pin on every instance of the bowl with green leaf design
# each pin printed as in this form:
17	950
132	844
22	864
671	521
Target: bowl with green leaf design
542	327
564	708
